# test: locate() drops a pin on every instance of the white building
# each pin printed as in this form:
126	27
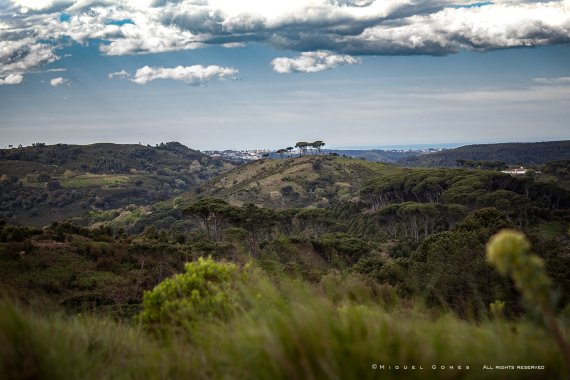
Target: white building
515	171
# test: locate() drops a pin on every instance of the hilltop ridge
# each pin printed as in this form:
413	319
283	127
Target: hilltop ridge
535	153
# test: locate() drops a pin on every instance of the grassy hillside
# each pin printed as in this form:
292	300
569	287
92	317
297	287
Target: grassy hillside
310	181
40	184
527	154
298	182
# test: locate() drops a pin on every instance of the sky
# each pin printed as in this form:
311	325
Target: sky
255	74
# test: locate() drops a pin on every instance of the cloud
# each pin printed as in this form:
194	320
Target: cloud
477	28
553	80
55	82
12	79
311	62
148	38
193	75
119	74
32	31
17	56
233	45
26	5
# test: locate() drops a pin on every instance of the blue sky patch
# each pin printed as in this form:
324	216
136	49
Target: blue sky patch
120	22
475	5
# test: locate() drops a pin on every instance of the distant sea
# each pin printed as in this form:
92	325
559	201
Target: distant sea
401	147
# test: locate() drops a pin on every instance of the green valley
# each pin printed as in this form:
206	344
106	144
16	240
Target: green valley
302	262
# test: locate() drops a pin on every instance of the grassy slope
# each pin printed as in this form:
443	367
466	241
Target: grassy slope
316	179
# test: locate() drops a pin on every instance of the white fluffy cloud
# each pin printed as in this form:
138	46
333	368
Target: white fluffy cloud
39	4
311	62
194	75
17	56
12	79
31	31
55	82
480	28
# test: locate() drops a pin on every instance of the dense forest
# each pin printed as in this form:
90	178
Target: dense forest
318	266
528	154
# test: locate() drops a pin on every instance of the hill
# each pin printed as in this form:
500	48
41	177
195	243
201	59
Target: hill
308	181
311	257
45	183
429	198
298	182
528	154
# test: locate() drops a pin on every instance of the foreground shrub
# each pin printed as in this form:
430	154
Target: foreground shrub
286	332
508	252
207	290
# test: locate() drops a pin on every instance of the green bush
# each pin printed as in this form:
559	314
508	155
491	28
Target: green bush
207	290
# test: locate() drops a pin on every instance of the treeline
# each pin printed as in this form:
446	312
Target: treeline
483	164
557	168
304	148
433	249
258	226
446	268
509	153
474	189
40	152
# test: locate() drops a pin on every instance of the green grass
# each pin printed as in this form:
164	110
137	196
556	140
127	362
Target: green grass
283	331
60	347
110	180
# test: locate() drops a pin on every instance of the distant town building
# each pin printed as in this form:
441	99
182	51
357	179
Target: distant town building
237	155
515	171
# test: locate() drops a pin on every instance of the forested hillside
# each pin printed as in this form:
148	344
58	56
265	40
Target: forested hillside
45	183
297	258
528	154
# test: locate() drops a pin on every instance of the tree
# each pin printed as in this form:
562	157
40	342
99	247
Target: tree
302	145
289	149
255	220
215	215
450	266
318	145
314	221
